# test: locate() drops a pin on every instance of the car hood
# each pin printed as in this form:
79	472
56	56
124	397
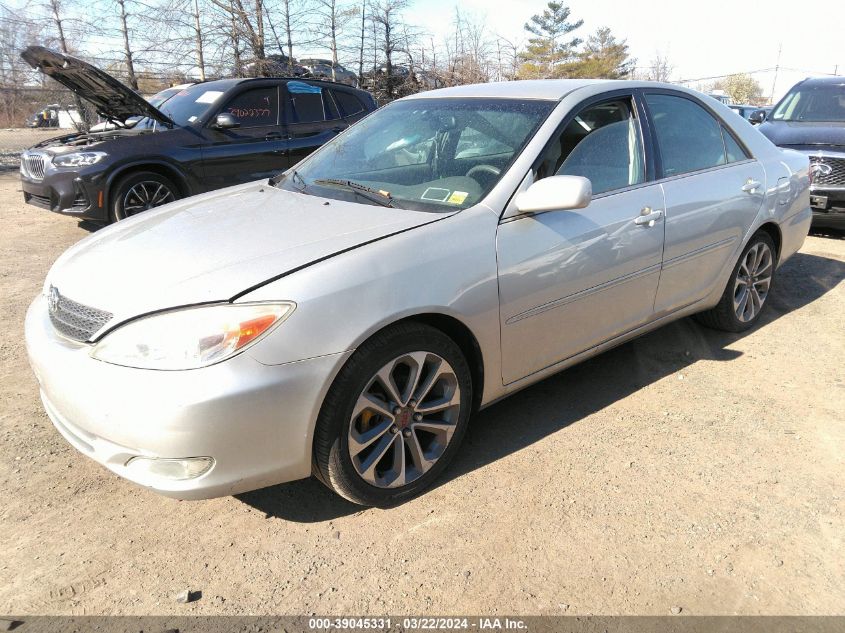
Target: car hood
798	134
215	246
111	98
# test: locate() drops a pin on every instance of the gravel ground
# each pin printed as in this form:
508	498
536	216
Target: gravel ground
689	469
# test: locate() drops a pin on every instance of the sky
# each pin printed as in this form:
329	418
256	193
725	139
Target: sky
702	38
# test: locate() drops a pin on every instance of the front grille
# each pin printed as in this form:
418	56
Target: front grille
74	320
836	177
34	166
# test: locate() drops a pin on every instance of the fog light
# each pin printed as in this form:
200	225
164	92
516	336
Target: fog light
171	469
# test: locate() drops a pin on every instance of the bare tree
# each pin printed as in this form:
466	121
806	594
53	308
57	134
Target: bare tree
127	50
659	68
332	18
387	20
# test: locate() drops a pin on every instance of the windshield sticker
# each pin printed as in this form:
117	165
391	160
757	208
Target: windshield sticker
458	197
436	194
298	87
209	96
192	119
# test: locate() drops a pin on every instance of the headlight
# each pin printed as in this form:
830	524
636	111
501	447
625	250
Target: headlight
191	337
78	159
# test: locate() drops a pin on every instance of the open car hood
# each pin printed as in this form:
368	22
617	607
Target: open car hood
112	99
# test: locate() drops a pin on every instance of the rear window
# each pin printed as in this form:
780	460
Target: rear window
348	103
309	103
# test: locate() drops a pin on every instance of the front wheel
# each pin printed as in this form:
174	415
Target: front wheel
394	417
139	192
748	288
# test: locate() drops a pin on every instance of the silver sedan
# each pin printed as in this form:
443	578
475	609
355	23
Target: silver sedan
345	318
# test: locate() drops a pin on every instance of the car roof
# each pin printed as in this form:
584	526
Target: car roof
554	89
824	81
226	84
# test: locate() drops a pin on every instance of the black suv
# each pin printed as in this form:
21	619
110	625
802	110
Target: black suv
209	135
811	119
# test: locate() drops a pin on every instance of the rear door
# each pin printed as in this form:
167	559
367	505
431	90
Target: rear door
255	149
713	189
312	119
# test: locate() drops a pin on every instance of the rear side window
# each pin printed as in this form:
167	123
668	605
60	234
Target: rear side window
733	149
688	136
309	103
348	103
254	108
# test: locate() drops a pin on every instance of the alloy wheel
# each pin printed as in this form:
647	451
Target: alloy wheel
146	195
753	279
404	419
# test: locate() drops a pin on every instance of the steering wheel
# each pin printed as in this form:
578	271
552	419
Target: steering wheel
483	169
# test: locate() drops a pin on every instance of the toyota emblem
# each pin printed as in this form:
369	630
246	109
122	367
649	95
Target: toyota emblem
53	299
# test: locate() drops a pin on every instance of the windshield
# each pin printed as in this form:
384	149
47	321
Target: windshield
425	154
186	106
822	102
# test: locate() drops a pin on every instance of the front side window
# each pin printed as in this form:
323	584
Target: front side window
688	137
255	108
427	154
602	142
819	103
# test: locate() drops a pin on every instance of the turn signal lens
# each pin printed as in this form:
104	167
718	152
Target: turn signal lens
190	338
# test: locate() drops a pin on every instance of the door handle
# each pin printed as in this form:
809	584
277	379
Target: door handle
647	217
751	186
273	136
337	129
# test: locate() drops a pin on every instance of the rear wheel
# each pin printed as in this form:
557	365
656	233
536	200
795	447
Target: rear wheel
139	192
394	417
748	288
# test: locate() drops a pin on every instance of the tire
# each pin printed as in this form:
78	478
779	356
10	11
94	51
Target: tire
128	193
731	314
404	449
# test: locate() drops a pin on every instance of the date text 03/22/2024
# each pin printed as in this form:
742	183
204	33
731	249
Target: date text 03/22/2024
417	623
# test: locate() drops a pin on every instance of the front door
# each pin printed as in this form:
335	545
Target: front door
255	149
571	279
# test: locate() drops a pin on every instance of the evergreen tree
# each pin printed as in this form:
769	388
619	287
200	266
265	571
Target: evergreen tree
549	47
603	57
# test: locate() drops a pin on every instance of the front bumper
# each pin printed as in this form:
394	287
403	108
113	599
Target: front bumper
67	192
256	421
828	206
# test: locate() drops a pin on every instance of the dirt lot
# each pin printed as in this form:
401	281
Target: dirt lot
688	468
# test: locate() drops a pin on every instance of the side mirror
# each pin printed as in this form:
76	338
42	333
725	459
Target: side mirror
555	193
225	121
757	117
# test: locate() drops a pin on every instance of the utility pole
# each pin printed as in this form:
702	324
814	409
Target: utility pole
775	80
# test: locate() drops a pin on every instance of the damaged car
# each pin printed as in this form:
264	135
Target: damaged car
347	317
207	136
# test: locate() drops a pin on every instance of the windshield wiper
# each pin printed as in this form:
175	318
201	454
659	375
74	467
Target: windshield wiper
374	195
294	176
